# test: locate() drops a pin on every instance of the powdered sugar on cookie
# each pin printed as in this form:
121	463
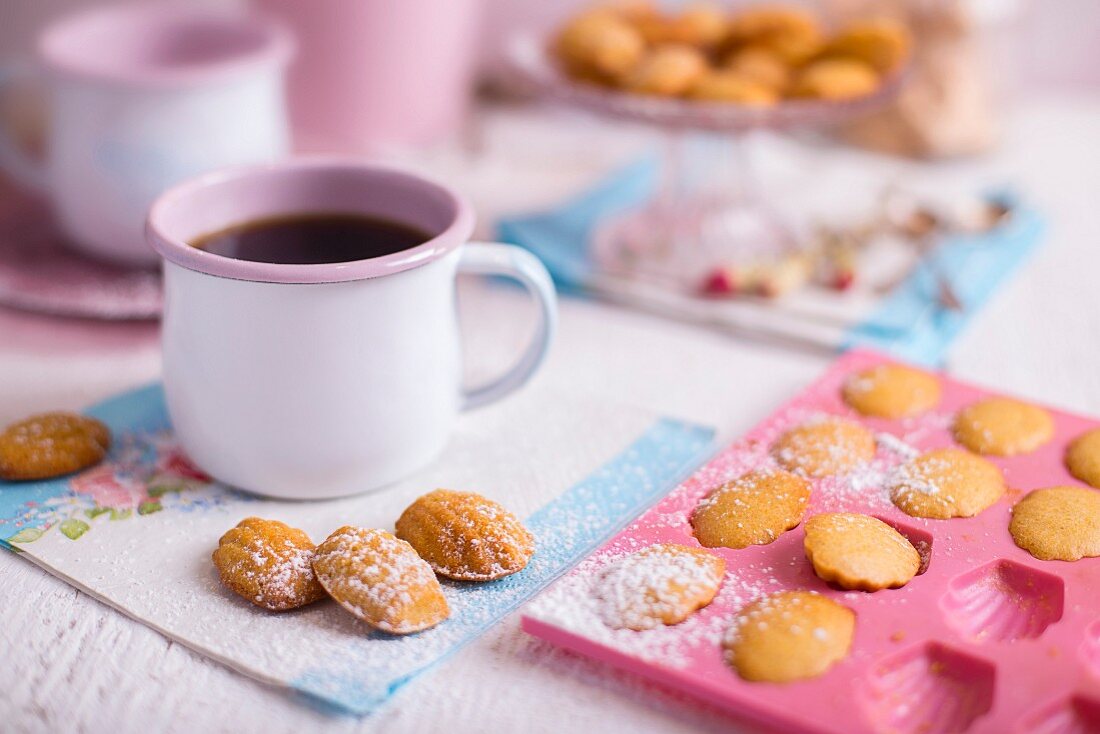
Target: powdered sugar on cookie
381	580
662	584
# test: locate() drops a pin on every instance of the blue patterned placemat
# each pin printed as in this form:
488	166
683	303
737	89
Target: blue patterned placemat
137	495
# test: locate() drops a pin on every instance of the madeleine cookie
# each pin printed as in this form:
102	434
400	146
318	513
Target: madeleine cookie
661	584
380	580
822	447
762	66
789	636
946	483
465	536
754	509
769	20
51	445
731	86
835	79
700	24
859	552
790	32
881	43
1058	524
1083	457
599	46
268	563
668	71
891	391
1003	427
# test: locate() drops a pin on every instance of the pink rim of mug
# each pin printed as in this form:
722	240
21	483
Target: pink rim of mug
99	44
176	250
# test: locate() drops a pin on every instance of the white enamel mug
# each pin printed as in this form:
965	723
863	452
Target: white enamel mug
324	380
141	97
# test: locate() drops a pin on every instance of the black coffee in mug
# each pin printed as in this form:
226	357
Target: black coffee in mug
310	239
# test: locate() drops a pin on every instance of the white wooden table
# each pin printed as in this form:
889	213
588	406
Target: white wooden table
74	665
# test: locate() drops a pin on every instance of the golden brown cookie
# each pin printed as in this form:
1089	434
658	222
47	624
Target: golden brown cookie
465	536
754	509
946	483
790	32
835	79
1003	427
859	552
599	46
661	584
1058	523
762	66
882	43
700	24
824	446
730	86
891	391
1083	457
380	580
51	445
269	564
789	636
667	71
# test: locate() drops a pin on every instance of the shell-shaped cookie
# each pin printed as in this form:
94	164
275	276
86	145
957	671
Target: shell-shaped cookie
824	445
753	509
268	563
1083	457
857	551
891	391
661	584
51	445
465	536
762	66
381	580
1003	427
835	79
792	33
946	483
788	636
667	71
599	45
882	43
1058	523
731	86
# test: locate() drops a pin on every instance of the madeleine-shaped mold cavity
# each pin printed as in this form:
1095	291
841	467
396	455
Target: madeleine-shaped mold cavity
921	540
1003	601
927	689
1090	649
1073	715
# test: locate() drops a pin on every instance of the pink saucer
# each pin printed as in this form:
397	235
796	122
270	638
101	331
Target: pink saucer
39	273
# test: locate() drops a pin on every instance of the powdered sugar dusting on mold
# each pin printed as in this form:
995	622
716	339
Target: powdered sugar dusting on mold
576	604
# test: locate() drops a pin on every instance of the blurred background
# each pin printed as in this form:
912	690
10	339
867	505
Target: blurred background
887	217
1051	48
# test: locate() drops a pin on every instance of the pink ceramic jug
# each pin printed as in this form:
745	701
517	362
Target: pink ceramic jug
374	74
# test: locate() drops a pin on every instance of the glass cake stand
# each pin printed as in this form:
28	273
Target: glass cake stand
692	226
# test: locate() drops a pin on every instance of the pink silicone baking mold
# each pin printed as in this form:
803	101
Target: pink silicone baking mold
986	639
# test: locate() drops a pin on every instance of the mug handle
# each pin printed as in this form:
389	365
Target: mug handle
485	258
22	168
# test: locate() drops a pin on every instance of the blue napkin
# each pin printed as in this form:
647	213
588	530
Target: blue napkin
907	324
